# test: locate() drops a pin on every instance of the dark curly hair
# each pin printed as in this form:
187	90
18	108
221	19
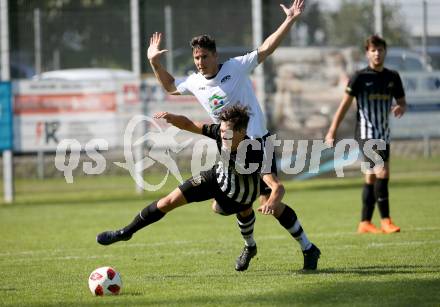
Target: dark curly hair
237	115
203	41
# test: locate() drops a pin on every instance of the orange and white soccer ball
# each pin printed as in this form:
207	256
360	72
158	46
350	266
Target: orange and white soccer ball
105	281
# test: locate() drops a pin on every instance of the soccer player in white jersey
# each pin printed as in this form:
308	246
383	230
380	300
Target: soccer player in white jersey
374	87
218	85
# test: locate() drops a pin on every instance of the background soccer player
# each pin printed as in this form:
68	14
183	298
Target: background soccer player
234	191
374	88
219	85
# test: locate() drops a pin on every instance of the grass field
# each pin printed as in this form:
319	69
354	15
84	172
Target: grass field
48	247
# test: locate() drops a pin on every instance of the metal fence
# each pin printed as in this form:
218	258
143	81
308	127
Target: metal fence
305	78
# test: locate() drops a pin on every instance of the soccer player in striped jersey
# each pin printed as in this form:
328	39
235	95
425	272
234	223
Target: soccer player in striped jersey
374	87
233	182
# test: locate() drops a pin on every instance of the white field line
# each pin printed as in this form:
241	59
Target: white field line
203	252
60	253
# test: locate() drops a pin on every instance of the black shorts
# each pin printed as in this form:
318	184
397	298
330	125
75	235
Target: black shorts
264	188
372	154
204	187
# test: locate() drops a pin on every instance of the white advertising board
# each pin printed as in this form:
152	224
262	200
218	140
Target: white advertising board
46	112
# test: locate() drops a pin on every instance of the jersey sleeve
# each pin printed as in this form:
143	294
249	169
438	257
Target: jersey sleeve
211	130
399	92
352	88
246	62
183	86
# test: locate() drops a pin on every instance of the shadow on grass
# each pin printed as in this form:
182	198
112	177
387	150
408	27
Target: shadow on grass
384	270
412	292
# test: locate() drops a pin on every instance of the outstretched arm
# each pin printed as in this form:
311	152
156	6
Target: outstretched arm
162	75
274	40
181	122
337	119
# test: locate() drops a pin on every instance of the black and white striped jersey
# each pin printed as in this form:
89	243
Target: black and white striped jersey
241	187
374	92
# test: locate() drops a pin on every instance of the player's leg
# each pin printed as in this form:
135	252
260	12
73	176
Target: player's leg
368	202
381	191
194	189
150	214
287	218
246	222
368	195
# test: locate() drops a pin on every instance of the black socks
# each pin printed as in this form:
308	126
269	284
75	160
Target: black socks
381	190
147	216
368	201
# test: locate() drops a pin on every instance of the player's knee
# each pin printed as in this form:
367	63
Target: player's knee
167	203
383	173
217	209
370	178
246	212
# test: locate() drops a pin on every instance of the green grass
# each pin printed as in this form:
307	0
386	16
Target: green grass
48	247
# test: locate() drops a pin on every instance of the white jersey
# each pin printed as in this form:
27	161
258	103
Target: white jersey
230	86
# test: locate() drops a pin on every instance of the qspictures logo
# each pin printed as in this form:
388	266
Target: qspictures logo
162	143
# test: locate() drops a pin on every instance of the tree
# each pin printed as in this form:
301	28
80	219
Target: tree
355	21
86	33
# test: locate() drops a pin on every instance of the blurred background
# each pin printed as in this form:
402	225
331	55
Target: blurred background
78	69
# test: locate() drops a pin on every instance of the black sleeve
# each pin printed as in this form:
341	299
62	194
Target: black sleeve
211	130
352	88
399	92
255	156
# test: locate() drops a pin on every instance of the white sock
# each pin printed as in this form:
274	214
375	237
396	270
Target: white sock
300	236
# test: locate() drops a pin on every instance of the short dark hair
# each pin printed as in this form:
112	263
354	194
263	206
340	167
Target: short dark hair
237	115
375	40
203	41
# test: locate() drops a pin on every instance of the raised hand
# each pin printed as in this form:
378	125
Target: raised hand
295	10
154	51
165	115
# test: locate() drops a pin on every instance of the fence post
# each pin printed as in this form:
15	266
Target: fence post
426	146
40	164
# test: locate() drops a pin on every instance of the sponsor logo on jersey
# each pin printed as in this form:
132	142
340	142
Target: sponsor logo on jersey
391	84
216	102
368	83
202	88
225	78
196	180
379	96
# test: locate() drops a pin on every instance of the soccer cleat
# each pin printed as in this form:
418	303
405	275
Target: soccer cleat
311	257
110	237
243	260
388	226
367	227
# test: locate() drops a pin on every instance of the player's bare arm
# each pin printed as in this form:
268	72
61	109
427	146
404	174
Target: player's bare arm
274	40
400	108
181	122
337	119
275	197
162	75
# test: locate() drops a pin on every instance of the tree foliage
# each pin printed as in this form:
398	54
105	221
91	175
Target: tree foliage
355	21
